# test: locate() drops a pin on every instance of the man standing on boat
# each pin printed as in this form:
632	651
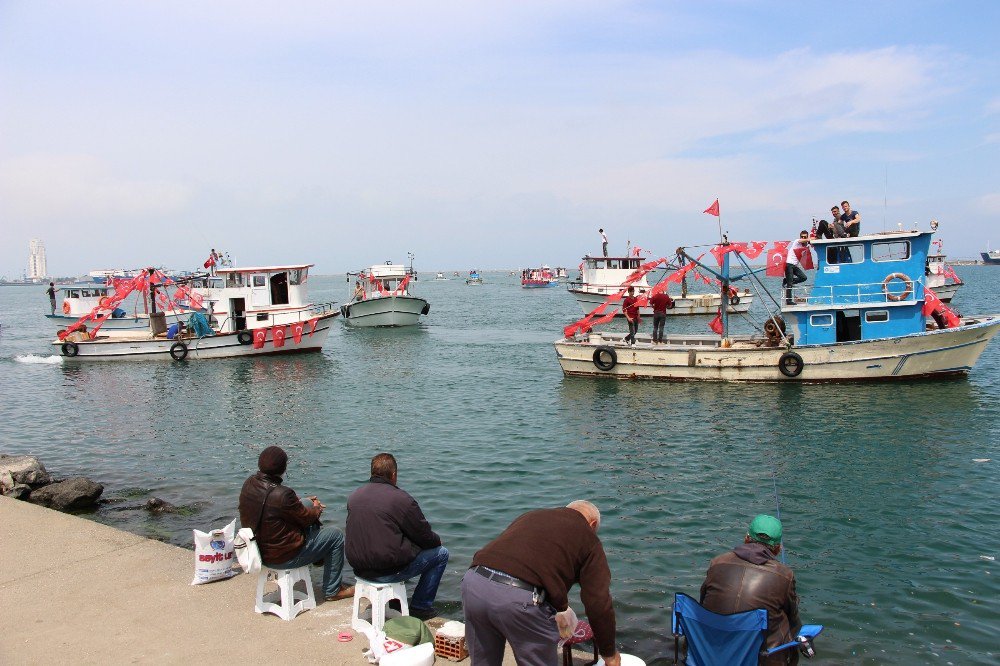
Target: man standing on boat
604	241
660	302
630	308
390	541
749	577
851	220
793	271
51	291
520	581
287	529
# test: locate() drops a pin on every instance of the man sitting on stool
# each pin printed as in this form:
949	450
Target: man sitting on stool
390	541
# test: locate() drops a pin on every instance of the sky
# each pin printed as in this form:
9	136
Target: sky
484	134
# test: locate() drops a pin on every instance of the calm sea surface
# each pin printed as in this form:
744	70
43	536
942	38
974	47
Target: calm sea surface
890	516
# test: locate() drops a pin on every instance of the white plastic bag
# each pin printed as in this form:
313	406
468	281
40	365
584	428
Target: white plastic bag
213	554
247	552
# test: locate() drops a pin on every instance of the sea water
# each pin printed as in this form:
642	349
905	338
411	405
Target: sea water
887	491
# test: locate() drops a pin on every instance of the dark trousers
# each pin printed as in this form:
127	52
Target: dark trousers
659	319
633	328
605	247
496	613
793	276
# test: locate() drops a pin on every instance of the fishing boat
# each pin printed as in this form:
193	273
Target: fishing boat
601	277
441	277
538	278
256	311
474	278
382	297
78	300
865	318
991	256
562	274
940	276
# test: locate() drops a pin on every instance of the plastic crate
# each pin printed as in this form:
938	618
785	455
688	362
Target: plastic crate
452	649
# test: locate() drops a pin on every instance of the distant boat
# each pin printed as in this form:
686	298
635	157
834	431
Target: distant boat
440	276
991	257
941	277
474	278
538	278
382	297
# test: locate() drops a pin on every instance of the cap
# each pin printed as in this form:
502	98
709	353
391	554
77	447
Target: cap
765	529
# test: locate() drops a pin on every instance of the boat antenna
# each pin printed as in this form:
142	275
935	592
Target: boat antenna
885	196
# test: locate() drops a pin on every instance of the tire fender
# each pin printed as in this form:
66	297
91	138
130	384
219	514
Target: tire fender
790	364
70	349
178	351
244	337
599	361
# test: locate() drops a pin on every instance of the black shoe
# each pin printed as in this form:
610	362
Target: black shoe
424	613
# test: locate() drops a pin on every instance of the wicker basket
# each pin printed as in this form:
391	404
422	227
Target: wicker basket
452	649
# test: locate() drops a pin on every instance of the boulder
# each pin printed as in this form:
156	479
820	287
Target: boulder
156	505
27	470
19	491
74	493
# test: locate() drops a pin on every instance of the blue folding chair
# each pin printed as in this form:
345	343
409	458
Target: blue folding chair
724	640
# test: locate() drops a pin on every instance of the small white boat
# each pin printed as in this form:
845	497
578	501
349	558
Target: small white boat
940	276
382	297
441	277
78	300
601	277
258	311
538	278
474	278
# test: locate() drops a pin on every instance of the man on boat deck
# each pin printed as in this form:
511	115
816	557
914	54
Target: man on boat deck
793	271
288	531
604	241
749	577
630	308
521	580
51	291
390	541
660	302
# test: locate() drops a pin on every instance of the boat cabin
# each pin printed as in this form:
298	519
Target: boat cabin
865	288
260	296
611	271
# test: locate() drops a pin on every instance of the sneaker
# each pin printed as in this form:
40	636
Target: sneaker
346	592
423	613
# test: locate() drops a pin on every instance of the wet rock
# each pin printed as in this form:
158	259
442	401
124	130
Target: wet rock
19	491
27	470
74	493
156	505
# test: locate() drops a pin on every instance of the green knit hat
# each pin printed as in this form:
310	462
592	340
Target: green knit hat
765	529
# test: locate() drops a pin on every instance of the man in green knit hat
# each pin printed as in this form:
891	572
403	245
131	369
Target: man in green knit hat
750	577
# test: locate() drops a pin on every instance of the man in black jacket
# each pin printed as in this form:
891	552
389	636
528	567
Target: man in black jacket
390	541
287	529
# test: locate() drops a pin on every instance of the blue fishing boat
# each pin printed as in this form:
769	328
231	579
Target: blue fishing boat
863	318
474	278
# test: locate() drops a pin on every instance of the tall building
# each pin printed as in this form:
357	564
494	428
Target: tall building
37	268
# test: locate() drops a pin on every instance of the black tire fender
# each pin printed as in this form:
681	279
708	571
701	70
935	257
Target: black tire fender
70	349
790	364
426	308
244	337
734	299
178	351
599	358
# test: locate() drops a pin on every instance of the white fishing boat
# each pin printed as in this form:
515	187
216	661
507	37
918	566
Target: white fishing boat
601	277
539	278
940	276
256	311
863	319
474	279
561	273
440	277
382	297
78	300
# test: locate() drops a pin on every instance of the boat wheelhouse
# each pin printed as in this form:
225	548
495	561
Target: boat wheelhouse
382	296
862	319
78	300
601	277
538	278
249	312
940	276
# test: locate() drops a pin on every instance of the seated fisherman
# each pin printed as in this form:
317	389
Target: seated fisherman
288	530
749	577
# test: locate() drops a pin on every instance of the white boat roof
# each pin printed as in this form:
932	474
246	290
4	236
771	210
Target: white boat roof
264	269
882	235
388	270
641	258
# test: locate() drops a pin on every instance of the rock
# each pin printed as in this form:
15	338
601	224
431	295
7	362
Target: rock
156	505
19	491
74	493
16	470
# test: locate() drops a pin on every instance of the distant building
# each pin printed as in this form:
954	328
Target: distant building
37	266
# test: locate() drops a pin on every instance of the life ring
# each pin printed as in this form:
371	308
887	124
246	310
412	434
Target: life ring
902	295
244	337
426	309
70	349
790	364
66	307
178	351
599	358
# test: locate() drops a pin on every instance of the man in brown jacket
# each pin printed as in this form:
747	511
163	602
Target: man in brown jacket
521	579
748	577
287	529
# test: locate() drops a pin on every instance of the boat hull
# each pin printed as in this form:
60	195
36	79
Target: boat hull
385	311
698	304
544	284
223	345
947	292
937	353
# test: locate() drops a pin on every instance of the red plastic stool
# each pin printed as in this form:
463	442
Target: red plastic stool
581	634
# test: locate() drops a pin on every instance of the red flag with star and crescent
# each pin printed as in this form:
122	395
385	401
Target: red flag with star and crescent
259	336
297	329
776	259
278	336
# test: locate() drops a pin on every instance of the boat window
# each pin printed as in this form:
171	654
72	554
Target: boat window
73	293
260	280
875	316
821	320
236	280
892	251
845	254
298	276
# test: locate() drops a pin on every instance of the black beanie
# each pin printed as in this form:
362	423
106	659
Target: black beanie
273	460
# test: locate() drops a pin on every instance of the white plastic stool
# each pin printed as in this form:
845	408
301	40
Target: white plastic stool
378	595
293	601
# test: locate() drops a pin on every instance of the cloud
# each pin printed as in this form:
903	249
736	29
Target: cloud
989	204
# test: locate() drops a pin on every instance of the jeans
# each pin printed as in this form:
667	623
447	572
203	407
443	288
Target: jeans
322	543
633	328
605	248
793	276
429	565
659	319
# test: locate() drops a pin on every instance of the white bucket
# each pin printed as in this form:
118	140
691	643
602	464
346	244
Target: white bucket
418	655
627	660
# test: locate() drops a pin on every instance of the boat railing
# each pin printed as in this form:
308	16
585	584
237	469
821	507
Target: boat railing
307	312
862	294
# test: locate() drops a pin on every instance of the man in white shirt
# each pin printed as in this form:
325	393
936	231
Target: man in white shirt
793	271
604	241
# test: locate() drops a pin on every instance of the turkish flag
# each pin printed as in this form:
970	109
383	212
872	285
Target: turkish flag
713	209
312	325
278	336
297	329
776	259
805	258
259	336
931	302
716	324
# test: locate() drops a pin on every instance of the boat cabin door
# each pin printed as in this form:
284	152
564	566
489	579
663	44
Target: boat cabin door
848	325
259	291
237	310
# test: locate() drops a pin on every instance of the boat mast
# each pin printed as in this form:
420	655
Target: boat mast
724	303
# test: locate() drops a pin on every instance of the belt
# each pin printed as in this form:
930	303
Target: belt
506	579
